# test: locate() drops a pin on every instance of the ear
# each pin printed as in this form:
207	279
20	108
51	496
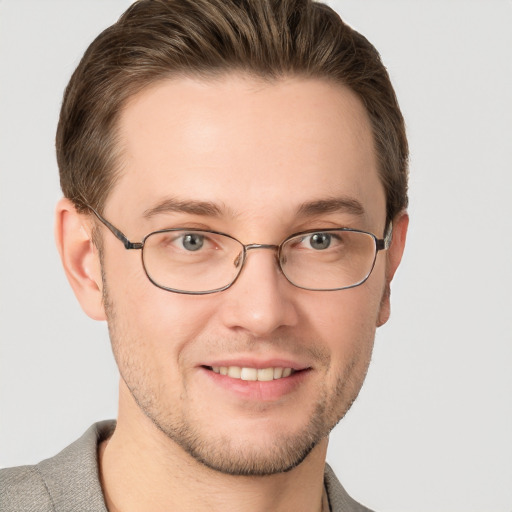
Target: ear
394	256
80	258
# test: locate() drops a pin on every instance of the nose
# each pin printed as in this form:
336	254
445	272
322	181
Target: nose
261	301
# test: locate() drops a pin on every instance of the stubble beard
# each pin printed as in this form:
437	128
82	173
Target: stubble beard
220	453
285	452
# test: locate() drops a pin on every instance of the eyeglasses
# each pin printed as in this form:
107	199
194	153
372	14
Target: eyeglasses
199	262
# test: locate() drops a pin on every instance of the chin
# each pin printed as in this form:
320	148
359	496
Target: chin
255	448
226	456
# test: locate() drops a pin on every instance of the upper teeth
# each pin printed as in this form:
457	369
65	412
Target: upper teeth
261	374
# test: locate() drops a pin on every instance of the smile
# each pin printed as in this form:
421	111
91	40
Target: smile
253	374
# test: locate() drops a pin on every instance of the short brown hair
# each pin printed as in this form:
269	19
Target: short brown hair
157	39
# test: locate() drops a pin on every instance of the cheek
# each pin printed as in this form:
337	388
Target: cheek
346	322
151	322
347	311
152	335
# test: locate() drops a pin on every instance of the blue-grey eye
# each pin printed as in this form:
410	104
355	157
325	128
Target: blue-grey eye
193	241
320	241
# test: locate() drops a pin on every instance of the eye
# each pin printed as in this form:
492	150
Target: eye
318	241
192	241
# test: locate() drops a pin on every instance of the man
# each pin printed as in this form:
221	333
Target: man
235	182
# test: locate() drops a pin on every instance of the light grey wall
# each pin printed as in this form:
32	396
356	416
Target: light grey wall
432	428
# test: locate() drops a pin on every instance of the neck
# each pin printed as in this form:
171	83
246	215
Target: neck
142	469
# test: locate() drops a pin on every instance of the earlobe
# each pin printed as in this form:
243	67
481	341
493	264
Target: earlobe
80	258
394	256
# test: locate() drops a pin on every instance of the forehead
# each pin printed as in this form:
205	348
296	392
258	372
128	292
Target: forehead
247	145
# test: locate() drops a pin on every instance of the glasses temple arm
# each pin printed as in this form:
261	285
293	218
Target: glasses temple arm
118	234
385	242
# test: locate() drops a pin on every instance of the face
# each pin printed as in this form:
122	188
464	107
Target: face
243	157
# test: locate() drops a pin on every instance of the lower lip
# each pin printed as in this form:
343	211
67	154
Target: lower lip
264	391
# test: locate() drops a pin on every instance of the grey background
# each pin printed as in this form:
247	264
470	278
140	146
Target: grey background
432	428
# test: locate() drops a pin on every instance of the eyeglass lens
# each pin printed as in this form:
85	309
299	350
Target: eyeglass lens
201	261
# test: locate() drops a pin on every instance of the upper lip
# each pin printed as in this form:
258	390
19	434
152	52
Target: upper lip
247	362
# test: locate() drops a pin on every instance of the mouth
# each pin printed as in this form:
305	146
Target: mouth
253	374
256	381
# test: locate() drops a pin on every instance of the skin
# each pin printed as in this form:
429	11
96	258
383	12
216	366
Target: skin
258	152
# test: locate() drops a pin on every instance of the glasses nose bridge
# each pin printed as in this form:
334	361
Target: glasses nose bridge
268	247
250	247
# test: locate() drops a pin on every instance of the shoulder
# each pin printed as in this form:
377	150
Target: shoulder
339	499
23	488
67	482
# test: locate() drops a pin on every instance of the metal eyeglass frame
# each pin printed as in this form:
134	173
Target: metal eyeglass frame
380	245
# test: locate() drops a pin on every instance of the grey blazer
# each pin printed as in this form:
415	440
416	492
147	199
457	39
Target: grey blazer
69	482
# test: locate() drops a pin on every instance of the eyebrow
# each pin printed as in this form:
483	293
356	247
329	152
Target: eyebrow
332	205
172	205
209	209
